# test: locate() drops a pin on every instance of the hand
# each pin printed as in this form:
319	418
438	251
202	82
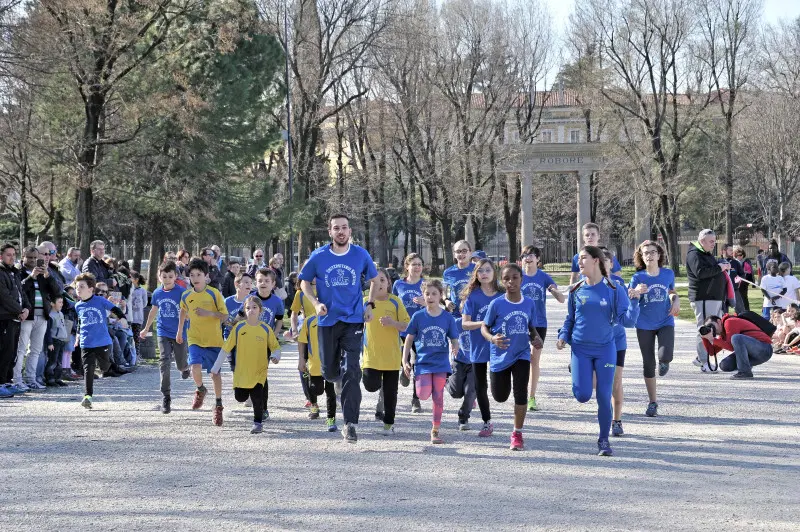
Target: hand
560	344
321	309
50	347
367	314
453	353
725	266
450	306
289	334
301	365
407	368
143	334
274	360
501	341
386	321
36	272
203	312
46	272
179	337
709	337
676	307
419	300
633	293
24	314
537	343
642	288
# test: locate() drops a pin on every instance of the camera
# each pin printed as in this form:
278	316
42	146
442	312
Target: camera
705	329
40	263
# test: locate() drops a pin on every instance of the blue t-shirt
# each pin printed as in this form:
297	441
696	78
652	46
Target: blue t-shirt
339	282
535	287
592	314
456	279
654	306
233	307
463	343
407	292
615	267
273	307
93	319
169	310
476	306
514	321
431	334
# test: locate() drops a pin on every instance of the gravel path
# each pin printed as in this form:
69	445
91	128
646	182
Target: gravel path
723	455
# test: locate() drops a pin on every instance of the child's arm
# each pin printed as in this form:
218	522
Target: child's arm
294	320
181	321
407	354
556	293
150	318
453	348
468	325
278	323
221	316
302	356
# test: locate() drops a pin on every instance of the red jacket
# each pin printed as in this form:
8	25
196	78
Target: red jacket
732	325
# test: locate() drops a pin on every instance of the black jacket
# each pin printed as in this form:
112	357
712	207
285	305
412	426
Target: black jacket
11	293
215	279
707	281
97	268
48	287
228	287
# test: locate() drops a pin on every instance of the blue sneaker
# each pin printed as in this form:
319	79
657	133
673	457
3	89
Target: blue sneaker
6	393
604	448
330	423
17	389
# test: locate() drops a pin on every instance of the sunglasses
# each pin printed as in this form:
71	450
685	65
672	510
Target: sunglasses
102	292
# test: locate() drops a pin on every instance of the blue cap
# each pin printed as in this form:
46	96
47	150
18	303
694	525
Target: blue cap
478	254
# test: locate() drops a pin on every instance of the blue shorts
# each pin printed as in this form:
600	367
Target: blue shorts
205	356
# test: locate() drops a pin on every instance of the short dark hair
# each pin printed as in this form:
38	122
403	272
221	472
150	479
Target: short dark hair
168	266
87	278
266	272
206	251
197	264
335	216
55	298
6	246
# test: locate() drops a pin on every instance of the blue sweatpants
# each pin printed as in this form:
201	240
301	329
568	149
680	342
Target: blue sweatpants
590	360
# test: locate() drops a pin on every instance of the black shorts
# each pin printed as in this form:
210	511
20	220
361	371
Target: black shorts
621	358
542	332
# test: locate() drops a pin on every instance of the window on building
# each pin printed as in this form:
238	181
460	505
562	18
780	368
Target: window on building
574	136
546	136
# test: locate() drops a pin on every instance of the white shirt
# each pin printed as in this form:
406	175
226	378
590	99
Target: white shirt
774	285
792	284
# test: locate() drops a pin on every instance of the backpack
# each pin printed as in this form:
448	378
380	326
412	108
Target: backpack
766	326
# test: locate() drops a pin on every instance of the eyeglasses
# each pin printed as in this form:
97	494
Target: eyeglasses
650	253
52	252
259	256
461	251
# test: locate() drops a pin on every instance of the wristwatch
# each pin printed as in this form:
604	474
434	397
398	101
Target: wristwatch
371	304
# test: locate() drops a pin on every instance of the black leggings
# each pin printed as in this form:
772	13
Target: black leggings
647	345
93	356
482	389
517	374
316	387
257	396
374	380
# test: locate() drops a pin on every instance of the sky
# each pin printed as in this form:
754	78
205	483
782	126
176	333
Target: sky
774	10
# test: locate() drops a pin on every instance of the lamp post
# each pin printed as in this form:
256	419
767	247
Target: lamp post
288	127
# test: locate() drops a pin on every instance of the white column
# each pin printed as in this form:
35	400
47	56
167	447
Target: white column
584	198
527	209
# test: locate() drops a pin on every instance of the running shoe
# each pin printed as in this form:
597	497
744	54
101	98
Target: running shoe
516	441
652	410
199	397
330	424
166	405
707	369
416	407
697	362
266	414
663	368
87	402
349	433
388	430
463	427
258	428
35	386
308	404
604	448
17	389
742	375
532	406
61	383
487	430
6	393
185	374
435	438
313	412
218	415
616	428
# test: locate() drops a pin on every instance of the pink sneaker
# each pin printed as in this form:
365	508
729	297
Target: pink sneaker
486	431
516	441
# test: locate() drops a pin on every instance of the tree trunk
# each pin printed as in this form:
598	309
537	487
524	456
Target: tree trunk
448	236
437	263
728	186
58	229
367	232
412	211
84	227
156	252
23	218
511	212
138	247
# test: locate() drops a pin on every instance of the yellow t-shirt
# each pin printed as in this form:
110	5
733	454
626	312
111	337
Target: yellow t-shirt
253	345
301	302
308	336
382	343
205	331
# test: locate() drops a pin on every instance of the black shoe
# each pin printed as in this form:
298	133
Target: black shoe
742	375
185	374
122	370
59	382
663	368
111	373
51	383
166	405
378	416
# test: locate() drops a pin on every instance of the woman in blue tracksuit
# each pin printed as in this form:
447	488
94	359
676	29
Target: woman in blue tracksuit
626	320
594	308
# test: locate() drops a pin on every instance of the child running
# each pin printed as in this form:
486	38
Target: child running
94	340
535	285
509	326
255	343
409	290
481	290
206	308
657	308
593	308
461	383
301	309
381	363
272	313
430	330
166	308
243	284
308	363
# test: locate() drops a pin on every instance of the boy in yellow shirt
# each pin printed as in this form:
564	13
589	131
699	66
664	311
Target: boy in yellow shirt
308	362
205	309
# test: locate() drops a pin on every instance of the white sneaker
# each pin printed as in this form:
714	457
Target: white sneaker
464	426
22	387
35	386
697	362
706	368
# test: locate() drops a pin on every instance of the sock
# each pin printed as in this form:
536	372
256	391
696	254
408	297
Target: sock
518	430
219	401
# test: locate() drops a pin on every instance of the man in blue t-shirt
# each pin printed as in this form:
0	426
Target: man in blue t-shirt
338	300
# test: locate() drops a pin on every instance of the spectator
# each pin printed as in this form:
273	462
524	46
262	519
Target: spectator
773	253
56	338
14	308
279	269
750	345
138	301
773	286
275	265
747	268
218	254
228	287
40	289
708	286
736	274
257	263
209	256
70	266
96	265
49	253
182	259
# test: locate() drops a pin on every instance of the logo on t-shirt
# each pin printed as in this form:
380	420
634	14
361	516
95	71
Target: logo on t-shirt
433	336
267	316
91	316
464	341
515	323
167	308
655	294
408	298
340	275
533	290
